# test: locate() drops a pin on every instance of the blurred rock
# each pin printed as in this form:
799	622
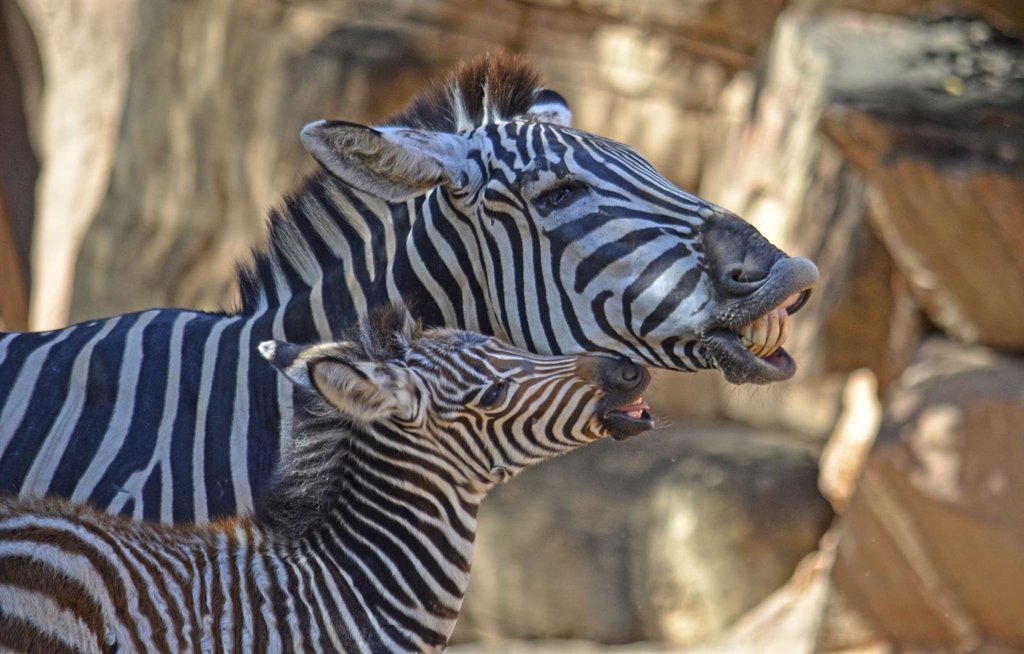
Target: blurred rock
872	321
721	528
668	537
932	114
779	171
19	167
83	47
789	620
1008	15
13	295
842	460
932	549
560	646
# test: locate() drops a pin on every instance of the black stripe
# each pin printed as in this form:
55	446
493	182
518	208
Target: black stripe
183	435
450	235
220	493
682	290
610	253
650	274
18	349
145	420
264	428
439	272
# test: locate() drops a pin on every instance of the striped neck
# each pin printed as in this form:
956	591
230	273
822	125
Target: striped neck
330	241
400	527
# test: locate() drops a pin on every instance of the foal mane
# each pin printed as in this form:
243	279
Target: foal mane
313	464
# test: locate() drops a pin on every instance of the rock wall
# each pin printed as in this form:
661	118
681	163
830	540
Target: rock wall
924	114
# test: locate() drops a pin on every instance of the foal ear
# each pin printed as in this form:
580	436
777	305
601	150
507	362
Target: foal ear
363	391
393	163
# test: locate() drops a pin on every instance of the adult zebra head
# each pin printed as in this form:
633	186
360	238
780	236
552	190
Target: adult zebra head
575	242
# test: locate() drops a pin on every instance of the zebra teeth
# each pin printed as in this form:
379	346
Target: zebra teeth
764	336
637	410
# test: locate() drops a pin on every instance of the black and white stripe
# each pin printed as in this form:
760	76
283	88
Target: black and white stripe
466	208
365	541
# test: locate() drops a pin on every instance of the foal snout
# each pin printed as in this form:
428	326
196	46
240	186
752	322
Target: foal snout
616	375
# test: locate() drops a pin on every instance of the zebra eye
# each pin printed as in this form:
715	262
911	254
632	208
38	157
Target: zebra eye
494	394
561	195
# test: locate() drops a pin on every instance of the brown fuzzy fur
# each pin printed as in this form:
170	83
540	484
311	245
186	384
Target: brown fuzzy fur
492	87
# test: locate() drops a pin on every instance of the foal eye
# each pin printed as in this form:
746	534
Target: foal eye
494	393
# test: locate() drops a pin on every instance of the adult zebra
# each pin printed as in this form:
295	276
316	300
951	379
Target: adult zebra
479	206
363	544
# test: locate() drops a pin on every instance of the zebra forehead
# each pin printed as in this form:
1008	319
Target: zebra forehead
493	88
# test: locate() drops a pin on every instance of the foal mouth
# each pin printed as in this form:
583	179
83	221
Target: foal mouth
628	419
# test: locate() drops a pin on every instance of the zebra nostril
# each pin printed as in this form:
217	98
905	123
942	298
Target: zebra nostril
624	376
744	278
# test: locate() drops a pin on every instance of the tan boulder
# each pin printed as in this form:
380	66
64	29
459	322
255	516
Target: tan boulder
932	549
669	537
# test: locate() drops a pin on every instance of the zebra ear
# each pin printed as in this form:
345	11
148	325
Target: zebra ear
288	359
550	107
363	391
393	163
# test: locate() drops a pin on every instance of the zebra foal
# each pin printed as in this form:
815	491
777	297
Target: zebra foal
364	540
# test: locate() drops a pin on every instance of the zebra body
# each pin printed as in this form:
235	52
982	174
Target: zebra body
468	207
363	544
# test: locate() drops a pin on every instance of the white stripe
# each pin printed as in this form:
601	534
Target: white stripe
246	604
77	567
23	390
140	550
263	584
5	342
40	474
238	440
225	627
284	387
333	595
377	207
316	306
281	568
124	406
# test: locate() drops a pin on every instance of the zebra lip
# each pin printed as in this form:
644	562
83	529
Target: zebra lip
628	419
739	365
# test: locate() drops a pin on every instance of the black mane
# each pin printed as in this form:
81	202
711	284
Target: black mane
494	87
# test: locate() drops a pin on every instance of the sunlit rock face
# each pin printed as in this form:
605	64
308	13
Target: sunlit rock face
931	551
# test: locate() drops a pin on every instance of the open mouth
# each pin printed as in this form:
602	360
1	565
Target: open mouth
766	335
747	332
753	352
628	419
